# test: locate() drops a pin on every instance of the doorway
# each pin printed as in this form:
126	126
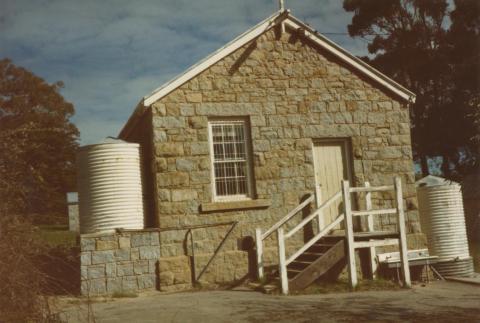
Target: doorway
332	164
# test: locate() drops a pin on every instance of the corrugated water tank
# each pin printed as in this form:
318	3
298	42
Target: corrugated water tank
109	186
443	220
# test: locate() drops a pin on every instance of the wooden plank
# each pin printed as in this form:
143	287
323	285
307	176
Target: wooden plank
375	243
259	243
374	212
352	270
367	235
320	215
282	264
403	237
372	189
288	216
370	227
319	267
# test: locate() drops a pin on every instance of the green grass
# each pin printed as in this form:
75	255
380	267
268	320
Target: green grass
56	235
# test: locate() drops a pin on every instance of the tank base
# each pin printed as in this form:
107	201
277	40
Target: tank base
460	268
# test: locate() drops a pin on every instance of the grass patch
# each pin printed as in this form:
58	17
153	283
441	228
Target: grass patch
343	286
57	235
124	295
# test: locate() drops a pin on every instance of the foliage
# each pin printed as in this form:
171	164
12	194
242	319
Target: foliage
411	42
29	270
37	143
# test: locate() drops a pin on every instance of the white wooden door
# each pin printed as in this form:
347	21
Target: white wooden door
331	164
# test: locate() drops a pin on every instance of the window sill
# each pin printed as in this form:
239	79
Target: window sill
235	205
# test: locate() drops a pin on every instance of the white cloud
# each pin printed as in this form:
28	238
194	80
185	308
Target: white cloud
112	53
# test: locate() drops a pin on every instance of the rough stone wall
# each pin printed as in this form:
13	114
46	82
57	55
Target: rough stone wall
291	92
125	262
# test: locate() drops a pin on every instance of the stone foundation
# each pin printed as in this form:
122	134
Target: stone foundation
112	262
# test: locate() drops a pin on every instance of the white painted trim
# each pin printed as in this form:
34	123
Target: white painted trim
375	243
402	231
259	243
372	189
374	212
216	56
283	17
347	207
370	227
282	263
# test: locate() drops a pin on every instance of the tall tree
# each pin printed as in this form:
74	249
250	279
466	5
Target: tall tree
464	49
410	43
37	143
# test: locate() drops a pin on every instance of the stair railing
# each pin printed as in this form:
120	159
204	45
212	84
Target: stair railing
282	237
259	236
347	217
349	235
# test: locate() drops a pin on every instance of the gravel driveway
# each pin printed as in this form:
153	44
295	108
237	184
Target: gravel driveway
436	302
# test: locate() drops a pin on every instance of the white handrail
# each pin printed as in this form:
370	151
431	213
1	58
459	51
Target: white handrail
313	215
287	217
371	189
316	238
374	212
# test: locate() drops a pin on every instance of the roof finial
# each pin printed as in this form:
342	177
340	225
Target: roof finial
281	5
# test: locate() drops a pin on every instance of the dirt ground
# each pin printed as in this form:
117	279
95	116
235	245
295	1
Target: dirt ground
436	302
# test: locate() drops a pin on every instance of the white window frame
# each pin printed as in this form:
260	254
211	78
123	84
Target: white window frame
248	159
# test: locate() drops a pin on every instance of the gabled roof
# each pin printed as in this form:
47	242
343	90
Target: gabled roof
282	16
279	17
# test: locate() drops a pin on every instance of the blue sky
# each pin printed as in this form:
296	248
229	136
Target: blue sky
111	53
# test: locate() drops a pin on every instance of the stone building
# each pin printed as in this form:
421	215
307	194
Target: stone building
239	139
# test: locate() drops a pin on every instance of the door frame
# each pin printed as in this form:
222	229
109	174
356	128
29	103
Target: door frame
346	145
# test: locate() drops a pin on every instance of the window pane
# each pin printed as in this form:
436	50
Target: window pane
239	133
218	152
230	169
219	170
221	187
242	186
217	133
229	151
228	133
241	171
240	150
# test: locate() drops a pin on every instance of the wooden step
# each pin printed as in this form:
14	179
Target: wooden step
320	247
291	272
298	264
299	279
309	256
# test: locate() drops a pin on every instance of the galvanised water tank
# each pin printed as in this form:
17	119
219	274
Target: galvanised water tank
443	220
109	186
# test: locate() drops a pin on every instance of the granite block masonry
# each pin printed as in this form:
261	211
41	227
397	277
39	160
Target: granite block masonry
291	94
119	262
